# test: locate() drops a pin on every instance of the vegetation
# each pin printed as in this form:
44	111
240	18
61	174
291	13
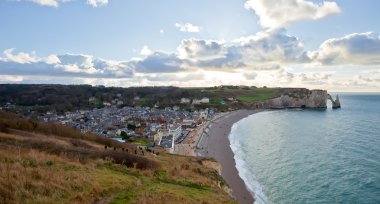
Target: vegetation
256	97
61	98
40	166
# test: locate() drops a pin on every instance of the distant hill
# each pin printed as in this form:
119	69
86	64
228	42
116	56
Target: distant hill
45	97
61	98
48	163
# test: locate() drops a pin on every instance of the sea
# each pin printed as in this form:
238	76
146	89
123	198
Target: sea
312	156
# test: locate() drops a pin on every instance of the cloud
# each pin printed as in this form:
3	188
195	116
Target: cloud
97	3
273	45
162	31
250	75
10	79
188	27
201	49
314	78
57	3
356	48
279	13
365	79
175	77
52	3
260	51
21	57
158	62
145	51
284	77
266	67
85	66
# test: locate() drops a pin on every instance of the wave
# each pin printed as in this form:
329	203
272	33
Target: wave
249	179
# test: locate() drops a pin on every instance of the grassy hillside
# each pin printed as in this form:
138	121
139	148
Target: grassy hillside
37	166
61	98
243	94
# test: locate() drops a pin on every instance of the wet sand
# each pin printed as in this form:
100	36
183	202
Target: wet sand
215	144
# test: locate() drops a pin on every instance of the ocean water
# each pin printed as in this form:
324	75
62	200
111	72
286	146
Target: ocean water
312	156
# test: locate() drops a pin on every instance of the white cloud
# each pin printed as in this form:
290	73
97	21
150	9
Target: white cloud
188	27
273	45
52	3
97	3
356	48
10	79
74	65
279	13
283	77
250	75
262	51
201	49
52	59
162	31
57	3
21	57
177	77
365	79
145	51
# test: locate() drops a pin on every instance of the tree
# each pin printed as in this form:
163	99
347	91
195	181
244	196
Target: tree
124	136
131	127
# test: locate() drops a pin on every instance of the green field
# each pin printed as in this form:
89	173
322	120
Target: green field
242	94
257	97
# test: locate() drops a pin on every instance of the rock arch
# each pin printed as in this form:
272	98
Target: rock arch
335	103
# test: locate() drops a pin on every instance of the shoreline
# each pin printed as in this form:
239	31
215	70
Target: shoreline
215	143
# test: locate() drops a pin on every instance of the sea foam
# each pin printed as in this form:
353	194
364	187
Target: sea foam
250	180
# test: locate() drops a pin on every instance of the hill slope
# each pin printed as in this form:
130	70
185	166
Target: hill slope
36	167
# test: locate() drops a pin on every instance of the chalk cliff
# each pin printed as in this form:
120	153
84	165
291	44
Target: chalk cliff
299	98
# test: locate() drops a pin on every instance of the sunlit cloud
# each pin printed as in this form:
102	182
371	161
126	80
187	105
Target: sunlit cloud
280	13
188	27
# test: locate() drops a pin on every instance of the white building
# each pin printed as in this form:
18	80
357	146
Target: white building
203	100
175	130
185	100
160	133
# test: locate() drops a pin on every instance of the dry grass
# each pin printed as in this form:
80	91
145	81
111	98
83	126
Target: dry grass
30	175
35	177
45	168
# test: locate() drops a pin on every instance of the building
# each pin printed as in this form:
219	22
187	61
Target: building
200	101
175	130
185	100
160	134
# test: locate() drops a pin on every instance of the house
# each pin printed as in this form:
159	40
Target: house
200	101
205	100
91	99
203	114
106	104
168	143
185	100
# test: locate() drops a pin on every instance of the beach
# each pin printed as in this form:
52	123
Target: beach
214	143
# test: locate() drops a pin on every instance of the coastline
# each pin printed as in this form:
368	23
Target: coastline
215	143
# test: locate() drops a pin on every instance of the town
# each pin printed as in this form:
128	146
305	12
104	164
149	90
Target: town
154	126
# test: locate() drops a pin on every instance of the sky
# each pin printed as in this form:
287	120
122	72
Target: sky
333	45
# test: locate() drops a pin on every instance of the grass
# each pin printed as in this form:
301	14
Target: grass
242	94
38	168
142	141
256	97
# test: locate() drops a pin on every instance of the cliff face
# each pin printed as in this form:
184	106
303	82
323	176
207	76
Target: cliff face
299	98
